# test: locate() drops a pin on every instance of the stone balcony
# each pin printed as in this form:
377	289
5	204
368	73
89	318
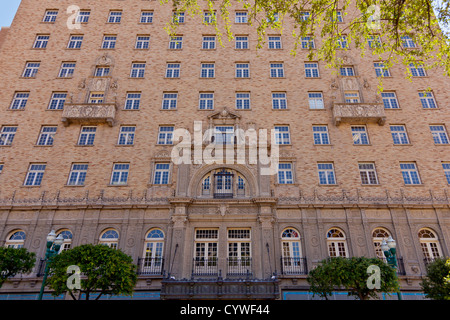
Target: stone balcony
89	113
358	113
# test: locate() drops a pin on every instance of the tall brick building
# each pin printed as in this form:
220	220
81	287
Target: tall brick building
87	124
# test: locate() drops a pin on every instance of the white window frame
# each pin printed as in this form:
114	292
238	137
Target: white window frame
115	16
46	136
133	101
127	136
399	135
241	42
87	136
279	100
312	70
20	100
165	135
410	173
282	135
120	174
274	42
7	135
173	70
77	174
242	70
206	101
137	70
327	175
207	70
161	175
321	135
390	100
67	70
277	70
35	174
109	41
243	101
142	42
75	41
41	41
439	134
368	173
31	69
169	101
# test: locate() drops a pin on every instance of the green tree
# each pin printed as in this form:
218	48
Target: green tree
103	270
435	285
426	22
14	261
352	275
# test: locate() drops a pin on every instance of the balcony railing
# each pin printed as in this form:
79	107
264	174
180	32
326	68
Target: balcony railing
293	266
239	266
205	267
358	113
91	113
150	266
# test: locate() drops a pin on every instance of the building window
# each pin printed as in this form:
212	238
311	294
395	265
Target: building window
337	243
342	42
126	135
359	135
206	101
1	167
161	175
368	173
279	100
291	252
35	174
41	41
102	71
19	101
346	71
308	43
115	16
120	173
207	70
446	167
173	70
16	240
410	173
165	135
83	16
315	100
75	42
304	15
50	16
133	101
417	69
57	101
146	17
242	70
312	70
110	238
241	17
439	134
77	174
137	70
169	101
241	42
399	135
390	100
153	252
239	252
109	42
7	135
430	245
321	135
285	173
31	69
374	41
178	17
275	42
209	42
427	100
67	70
407	42
223	135
276	70
96	97
87	136
381	70
176	42
326	173
378	235
46	136
351	97
243	100
67	236
142	42
282	135
209	17
205	254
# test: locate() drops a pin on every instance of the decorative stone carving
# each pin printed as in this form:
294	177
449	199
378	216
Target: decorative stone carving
92	113
223	209
358	113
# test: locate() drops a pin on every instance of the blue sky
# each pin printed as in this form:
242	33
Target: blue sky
8	9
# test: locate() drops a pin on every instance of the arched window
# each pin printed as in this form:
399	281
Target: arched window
224	183
153	252
67	236
16	239
337	243
110	237
378	235
291	251
429	244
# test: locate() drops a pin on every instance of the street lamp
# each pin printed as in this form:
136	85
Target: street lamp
53	245
390	252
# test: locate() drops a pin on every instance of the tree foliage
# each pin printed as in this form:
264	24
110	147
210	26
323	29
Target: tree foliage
351	274
427	22
103	270
14	261
435	286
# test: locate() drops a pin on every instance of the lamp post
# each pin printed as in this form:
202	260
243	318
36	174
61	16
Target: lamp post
390	252
53	245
